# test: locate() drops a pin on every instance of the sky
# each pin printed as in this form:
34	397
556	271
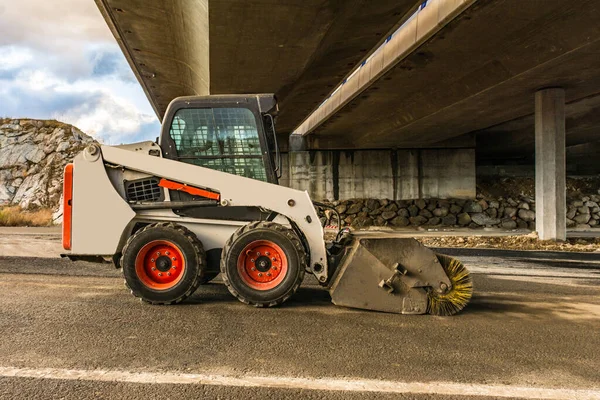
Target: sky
58	60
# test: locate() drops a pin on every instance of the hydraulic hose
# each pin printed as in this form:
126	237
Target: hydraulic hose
339	218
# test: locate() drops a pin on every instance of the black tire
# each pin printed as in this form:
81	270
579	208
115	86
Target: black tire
143	284
291	248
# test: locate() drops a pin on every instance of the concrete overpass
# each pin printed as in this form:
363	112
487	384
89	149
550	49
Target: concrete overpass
461	66
465	74
298	49
478	73
441	83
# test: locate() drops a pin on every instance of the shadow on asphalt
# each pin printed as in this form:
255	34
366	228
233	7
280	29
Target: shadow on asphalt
491	304
216	292
310	296
495	304
505	307
57	266
486	299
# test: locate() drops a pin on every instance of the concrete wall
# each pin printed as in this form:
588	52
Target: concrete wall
448	173
583	159
391	174
506	171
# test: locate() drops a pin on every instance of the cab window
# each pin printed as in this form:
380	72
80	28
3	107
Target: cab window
224	139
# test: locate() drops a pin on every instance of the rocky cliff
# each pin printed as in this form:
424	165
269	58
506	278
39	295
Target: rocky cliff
33	154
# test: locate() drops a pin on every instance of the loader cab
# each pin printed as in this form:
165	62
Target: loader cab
229	133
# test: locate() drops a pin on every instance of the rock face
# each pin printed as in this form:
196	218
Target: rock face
33	155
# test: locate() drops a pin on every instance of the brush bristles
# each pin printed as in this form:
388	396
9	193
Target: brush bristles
458	297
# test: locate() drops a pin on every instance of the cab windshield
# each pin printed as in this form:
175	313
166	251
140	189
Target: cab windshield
224	139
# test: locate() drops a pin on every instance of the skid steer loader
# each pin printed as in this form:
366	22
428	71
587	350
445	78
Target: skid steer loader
204	200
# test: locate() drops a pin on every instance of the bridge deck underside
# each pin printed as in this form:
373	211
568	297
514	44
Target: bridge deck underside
479	72
298	49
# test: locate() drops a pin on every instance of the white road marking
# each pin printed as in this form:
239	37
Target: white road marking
325	384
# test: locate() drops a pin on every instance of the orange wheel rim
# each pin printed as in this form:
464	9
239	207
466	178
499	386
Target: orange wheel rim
160	265
262	265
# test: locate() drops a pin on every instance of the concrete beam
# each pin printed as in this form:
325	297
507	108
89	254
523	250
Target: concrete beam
480	70
428	21
166	43
319	142
298	49
391	173
550	164
298	143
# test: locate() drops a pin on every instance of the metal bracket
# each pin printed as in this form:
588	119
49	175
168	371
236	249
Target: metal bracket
388	284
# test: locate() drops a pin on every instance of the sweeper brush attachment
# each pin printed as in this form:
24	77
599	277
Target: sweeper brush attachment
455	299
399	275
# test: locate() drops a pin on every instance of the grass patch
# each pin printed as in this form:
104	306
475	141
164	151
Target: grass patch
15	216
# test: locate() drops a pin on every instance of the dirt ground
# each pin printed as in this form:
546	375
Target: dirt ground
521	242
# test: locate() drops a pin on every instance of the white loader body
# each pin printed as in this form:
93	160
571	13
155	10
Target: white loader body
102	218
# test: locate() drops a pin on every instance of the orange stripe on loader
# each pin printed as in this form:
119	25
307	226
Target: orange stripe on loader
167	184
67	206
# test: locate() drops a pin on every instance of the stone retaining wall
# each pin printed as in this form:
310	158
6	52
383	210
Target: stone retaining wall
502	213
584	212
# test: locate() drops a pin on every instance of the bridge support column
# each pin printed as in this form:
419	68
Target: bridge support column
550	164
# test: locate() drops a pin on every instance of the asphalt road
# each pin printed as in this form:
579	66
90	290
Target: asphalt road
72	331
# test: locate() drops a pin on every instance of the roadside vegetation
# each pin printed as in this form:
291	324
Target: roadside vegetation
15	216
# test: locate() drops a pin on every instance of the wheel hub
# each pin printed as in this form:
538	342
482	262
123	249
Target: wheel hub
160	265
262	265
163	263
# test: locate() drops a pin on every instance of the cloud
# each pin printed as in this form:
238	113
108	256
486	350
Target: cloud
113	120
89	104
8	74
19	102
61	30
61	62
52	25
15	57
109	62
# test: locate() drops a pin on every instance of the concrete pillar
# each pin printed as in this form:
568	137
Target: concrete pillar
550	164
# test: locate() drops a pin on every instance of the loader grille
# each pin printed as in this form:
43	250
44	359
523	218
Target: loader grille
143	190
